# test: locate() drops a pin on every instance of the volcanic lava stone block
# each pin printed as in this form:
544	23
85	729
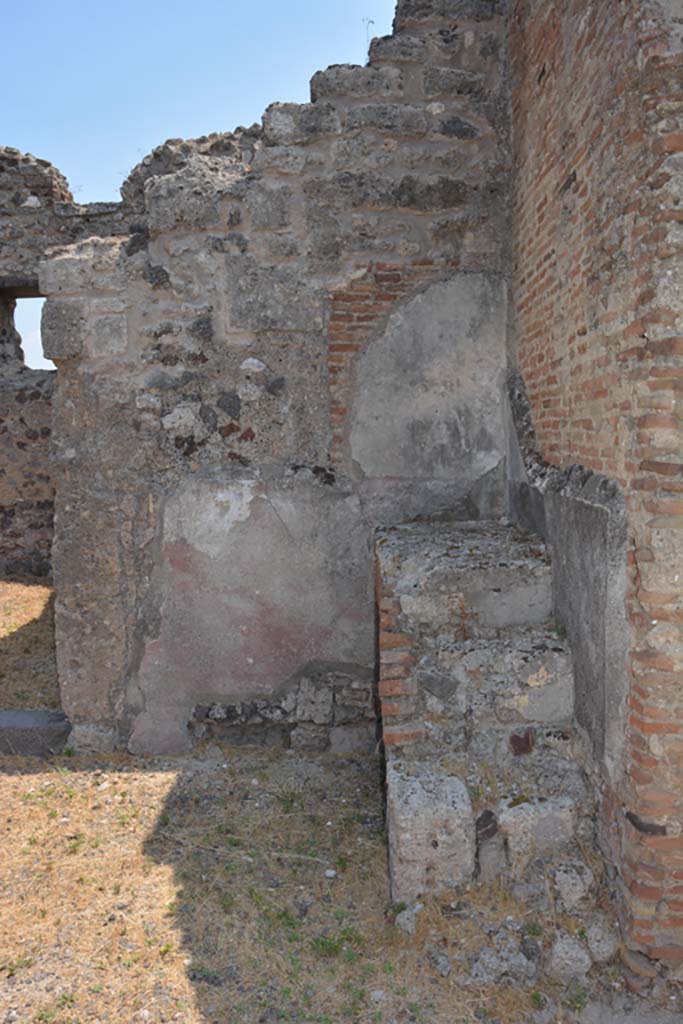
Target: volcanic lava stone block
431	831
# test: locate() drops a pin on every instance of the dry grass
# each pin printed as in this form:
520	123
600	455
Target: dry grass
28	672
195	891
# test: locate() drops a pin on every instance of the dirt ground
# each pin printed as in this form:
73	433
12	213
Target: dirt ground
241	886
237	886
28	671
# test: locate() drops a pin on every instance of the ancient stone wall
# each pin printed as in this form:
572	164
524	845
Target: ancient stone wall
302	337
26	491
598	313
285	337
37	212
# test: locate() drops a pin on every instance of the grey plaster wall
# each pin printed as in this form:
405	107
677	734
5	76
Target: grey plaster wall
582	517
427	413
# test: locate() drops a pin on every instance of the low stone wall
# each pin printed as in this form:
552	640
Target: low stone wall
581	515
328	708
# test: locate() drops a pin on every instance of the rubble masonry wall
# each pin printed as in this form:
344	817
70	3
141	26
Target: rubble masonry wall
301	338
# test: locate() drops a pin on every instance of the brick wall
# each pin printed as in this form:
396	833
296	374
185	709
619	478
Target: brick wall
598	144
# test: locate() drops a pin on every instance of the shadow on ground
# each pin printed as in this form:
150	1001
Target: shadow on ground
238	886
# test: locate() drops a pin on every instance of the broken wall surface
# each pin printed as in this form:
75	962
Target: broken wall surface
26	490
597	96
37	212
302	337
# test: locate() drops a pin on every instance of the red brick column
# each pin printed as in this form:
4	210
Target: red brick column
397	685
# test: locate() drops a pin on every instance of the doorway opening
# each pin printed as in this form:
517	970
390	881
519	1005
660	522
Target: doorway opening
31	721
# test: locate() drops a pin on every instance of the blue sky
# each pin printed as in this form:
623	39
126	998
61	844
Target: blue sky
94	87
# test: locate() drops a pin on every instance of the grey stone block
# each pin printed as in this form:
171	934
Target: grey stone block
569	961
392	118
33	733
523	676
352	80
537	827
603	940
573	882
431	831
453	81
62	328
401	49
423	10
287	124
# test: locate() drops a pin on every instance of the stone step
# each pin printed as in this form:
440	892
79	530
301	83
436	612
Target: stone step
469	578
521	676
484	814
33	733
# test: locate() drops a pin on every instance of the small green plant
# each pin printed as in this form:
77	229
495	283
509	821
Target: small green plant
12	966
75	843
355	1004
578	999
227	901
288	800
205	974
533	928
256	897
287	919
325	946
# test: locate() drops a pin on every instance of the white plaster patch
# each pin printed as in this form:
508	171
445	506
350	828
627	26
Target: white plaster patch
202	516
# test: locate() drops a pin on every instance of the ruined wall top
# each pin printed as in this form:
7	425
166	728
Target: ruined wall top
37	211
410	13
